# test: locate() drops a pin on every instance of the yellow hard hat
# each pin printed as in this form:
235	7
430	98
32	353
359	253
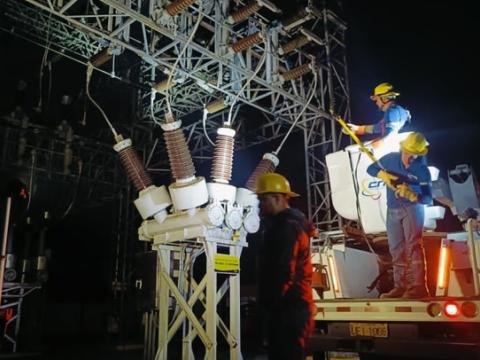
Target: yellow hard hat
274	183
415	144
384	90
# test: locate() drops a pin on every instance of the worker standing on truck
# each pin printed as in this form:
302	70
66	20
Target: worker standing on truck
405	213
394	117
285	270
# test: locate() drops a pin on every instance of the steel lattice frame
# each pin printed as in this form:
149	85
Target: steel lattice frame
208	71
322	137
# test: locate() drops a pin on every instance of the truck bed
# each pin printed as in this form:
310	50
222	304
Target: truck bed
417	310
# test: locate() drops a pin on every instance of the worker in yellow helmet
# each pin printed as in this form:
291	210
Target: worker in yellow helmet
285	269
394	117
405	213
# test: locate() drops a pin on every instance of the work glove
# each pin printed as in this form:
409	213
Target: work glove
352	127
404	191
387	178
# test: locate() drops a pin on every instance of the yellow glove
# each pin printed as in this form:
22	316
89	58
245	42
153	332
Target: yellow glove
387	178
404	191
353	128
356	129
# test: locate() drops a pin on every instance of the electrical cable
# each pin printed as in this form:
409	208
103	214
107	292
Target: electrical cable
49	93
357	203
204	123
314	88
260	64
30	185
172	71
40	89
69	208
152	99
358	141
42	65
87	90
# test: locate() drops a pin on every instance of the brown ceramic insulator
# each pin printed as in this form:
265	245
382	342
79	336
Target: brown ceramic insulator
181	163
134	168
164	85
178	6
216	105
247	42
100	58
264	166
296	43
296	72
222	159
245	12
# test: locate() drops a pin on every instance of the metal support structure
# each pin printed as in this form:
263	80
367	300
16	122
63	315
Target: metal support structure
37	149
200	83
179	295
322	137
11	307
209	71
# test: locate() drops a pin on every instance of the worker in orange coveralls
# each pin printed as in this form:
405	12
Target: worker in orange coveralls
285	275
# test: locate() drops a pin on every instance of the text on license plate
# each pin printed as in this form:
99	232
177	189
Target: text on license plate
369	329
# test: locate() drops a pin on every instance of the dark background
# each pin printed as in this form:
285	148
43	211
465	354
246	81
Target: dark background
426	50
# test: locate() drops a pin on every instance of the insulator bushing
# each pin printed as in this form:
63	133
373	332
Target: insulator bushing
216	106
296	72
164	85
223	156
181	163
247	42
134	168
100	58
244	12
178	6
266	165
296	43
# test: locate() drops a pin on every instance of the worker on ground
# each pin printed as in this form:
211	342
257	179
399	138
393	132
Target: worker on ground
285	272
405	213
394	117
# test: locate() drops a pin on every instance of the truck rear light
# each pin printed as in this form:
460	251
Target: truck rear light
451	309
443	267
434	309
469	309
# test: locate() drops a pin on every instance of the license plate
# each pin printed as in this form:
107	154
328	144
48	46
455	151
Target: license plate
379	330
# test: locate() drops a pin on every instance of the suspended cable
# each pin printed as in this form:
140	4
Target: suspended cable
314	87
30	183
87	91
42	65
75	193
204	123
260	64
152	114
172	71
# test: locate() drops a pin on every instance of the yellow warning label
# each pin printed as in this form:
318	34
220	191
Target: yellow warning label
227	263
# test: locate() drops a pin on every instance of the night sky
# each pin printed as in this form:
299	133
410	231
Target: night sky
426	50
